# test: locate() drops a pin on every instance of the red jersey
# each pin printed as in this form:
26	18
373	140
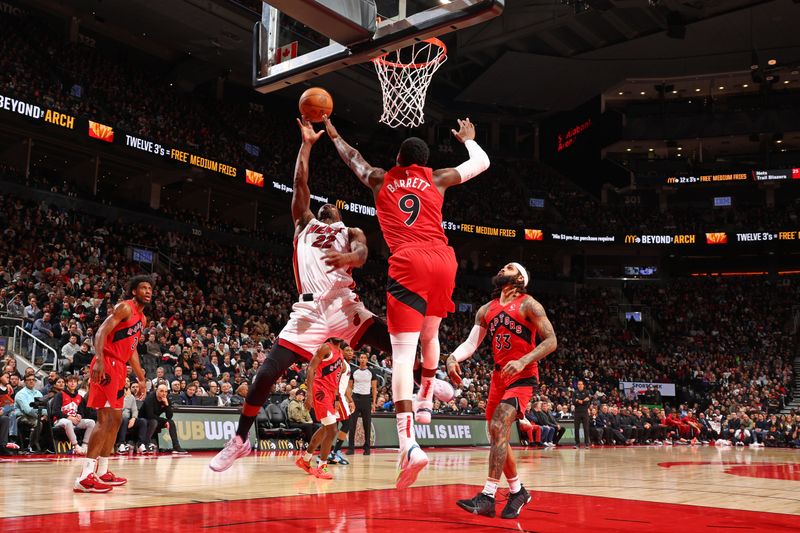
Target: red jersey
329	372
512	336
409	208
122	341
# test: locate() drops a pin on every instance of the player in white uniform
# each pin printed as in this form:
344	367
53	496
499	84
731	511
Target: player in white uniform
325	252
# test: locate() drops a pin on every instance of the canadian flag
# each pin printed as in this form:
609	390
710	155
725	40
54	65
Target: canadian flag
285	53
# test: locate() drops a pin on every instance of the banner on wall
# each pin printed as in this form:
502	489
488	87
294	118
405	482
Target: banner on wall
203	428
637	387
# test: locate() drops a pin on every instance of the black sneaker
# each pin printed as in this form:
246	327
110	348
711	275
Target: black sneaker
480	504
179	451
515	503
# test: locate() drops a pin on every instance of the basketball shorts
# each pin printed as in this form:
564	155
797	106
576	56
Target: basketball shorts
517	393
312	323
342	408
325	408
421	283
110	392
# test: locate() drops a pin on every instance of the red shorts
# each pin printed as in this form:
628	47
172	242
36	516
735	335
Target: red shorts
325	405
521	391
110	392
421	283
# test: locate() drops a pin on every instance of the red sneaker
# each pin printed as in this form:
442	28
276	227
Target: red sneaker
322	472
90	483
306	467
110	479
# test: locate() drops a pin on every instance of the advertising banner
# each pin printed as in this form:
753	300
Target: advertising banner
203	429
666	389
442	431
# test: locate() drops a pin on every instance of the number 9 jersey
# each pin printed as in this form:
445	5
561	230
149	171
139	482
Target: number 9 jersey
422	267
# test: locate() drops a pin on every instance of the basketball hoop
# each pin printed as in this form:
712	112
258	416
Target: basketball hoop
404	76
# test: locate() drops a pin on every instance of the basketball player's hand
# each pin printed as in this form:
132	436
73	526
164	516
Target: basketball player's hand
466	131
307	132
512	368
98	370
454	371
329	127
308	403
352	406
336	260
142	389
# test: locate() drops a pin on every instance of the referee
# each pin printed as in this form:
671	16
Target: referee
581	414
365	394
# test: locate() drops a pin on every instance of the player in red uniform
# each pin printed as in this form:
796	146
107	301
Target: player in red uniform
323	381
513	320
115	343
422	269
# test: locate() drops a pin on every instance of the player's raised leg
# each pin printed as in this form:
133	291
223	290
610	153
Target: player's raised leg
429	340
275	365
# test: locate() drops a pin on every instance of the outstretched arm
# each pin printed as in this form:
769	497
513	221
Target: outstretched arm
534	312
468	347
478	160
370	176
301	197
355	258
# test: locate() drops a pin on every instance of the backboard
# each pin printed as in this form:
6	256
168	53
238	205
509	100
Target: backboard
297	40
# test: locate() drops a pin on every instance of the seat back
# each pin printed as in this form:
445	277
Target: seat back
276	415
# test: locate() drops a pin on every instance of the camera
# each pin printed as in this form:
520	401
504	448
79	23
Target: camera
39	403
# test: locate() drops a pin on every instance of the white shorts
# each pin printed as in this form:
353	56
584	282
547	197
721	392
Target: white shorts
312	323
343	411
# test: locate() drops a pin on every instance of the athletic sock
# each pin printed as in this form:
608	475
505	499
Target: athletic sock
307	457
89	466
490	488
514	485
102	466
405	430
321	464
338	446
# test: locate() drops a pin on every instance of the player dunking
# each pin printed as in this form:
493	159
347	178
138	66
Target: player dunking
325	252
326	374
115	343
513	320
422	269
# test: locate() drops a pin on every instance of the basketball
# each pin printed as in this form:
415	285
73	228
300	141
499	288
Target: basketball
314	103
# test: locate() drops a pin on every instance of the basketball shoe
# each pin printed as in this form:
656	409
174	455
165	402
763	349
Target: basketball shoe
111	480
234	449
321	472
304	466
482	504
515	503
90	483
409	465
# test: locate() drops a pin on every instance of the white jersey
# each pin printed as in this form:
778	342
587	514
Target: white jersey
344	381
310	246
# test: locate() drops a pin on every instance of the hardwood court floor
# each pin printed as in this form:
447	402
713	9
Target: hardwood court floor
611	489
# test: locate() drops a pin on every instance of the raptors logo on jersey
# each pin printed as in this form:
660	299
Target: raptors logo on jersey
512	336
310	247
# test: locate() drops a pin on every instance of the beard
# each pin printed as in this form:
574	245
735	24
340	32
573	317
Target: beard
500	281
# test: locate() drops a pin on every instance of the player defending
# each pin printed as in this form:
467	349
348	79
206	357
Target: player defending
325	251
326	374
115	343
513	319
422	269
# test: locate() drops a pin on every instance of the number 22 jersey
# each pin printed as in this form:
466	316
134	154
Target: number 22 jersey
310	247
409	208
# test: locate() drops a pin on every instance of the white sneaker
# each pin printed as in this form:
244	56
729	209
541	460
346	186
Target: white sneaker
442	390
122	448
80	449
423	411
234	449
409	465
142	448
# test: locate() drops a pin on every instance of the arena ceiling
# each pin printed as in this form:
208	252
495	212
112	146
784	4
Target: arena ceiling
557	53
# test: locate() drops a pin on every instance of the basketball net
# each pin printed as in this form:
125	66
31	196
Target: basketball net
404	76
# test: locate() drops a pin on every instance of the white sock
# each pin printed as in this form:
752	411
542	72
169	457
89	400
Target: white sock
307	457
102	466
89	466
490	488
514	485
405	430
429	342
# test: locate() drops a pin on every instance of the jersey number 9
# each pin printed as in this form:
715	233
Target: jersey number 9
410	204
